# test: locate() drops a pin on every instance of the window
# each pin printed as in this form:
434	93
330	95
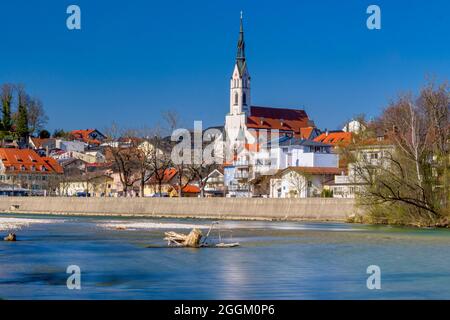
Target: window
309	184
236	99
244	99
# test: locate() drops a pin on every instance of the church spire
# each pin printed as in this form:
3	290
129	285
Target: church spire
241	43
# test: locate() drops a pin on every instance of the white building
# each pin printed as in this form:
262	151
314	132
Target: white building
301	182
369	152
69	146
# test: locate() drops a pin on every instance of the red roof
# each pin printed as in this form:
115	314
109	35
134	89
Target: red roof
305	133
169	174
38	142
27	161
54	164
335	138
281	119
189	189
84	135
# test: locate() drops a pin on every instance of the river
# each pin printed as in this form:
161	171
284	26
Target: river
126	258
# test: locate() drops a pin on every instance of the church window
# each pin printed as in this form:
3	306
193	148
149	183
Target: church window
236	99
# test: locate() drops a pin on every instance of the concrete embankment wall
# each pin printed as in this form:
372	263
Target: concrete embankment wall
216	208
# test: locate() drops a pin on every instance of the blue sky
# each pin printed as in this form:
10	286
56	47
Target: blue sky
134	59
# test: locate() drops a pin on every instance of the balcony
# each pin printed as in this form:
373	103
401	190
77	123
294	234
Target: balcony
241	175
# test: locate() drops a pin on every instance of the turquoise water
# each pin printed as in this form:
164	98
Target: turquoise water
276	260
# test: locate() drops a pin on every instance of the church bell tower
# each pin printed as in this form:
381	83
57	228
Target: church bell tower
240	80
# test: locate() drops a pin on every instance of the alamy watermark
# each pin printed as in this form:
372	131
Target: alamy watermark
374	280
74	280
73	21
213	146
374	20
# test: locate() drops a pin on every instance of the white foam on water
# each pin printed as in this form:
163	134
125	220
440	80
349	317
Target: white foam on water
7	224
138	225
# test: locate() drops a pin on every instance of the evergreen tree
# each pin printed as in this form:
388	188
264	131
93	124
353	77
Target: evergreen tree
6	97
22	129
44	134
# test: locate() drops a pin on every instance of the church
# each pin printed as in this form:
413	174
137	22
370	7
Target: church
243	117
261	140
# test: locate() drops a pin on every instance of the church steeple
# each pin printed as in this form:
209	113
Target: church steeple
240	80
241	43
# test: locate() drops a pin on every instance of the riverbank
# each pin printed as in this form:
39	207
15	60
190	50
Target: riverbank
311	209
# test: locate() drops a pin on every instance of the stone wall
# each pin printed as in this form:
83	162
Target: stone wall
216	208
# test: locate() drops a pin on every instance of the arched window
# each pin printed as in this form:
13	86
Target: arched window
244	99
236	99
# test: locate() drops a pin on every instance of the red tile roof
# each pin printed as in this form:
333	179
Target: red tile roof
27	161
169	174
305	133
281	119
53	164
335	138
84	135
38	142
189	189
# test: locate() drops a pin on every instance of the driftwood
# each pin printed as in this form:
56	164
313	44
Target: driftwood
182	240
10	237
195	239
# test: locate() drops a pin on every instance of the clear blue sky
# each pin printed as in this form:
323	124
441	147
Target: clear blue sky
133	59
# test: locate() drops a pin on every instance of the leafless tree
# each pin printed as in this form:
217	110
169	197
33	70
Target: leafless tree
125	157
36	115
412	175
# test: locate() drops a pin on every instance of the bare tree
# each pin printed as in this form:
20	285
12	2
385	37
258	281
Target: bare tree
125	157
406	175
200	173
299	182
37	118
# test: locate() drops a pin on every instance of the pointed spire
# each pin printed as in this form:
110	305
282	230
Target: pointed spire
241	43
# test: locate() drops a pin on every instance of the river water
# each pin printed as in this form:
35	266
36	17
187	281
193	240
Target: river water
126	258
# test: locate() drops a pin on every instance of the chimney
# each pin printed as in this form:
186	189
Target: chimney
326	132
262	120
282	122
